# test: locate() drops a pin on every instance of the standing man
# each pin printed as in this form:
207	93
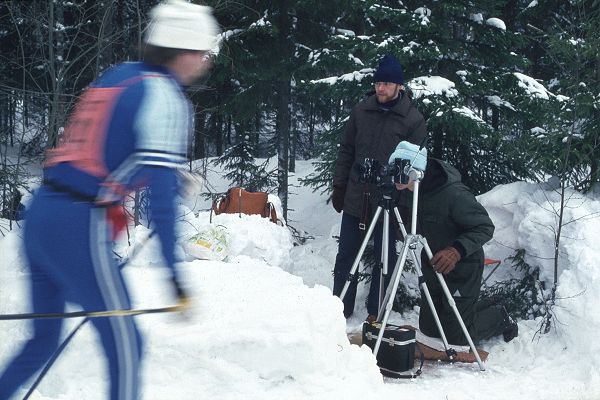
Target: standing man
456	227
376	125
129	129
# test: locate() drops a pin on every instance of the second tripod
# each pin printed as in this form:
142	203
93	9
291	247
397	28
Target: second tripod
413	246
385	206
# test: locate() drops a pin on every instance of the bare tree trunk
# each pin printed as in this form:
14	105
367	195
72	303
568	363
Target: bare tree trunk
283	90
139	31
26	100
594	167
104	13
229	124
495	118
13	182
3	117
564	182
282	128
52	71
218	132
311	129
11	118
256	136
55	16
199	150
136	208
293	147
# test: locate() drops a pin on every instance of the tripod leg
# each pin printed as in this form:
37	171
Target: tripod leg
390	298
400	222
388	293
360	253
385	243
398	261
454	308
425	289
417	263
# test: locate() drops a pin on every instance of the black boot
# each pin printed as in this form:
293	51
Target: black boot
511	329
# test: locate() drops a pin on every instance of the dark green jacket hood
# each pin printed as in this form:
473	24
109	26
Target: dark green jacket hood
438	175
448	212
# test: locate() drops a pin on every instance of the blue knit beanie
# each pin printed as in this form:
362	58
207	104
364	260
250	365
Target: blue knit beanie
389	70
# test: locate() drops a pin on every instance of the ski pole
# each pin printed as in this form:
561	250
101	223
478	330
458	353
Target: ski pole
64	344
96	314
137	249
93	314
53	358
87	315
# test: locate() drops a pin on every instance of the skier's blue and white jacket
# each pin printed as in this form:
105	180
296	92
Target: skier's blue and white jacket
129	129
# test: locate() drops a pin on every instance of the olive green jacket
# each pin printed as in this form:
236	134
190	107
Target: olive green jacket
449	215
372	132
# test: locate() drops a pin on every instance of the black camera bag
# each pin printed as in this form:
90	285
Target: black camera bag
397	349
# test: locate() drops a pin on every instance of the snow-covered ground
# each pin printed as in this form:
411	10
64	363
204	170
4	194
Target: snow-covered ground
265	326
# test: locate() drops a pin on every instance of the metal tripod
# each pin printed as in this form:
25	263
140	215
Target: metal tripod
385	205
415	244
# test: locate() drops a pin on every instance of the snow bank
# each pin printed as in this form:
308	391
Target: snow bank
258	332
249	235
254	332
525	216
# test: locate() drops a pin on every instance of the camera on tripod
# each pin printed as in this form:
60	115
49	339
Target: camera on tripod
373	171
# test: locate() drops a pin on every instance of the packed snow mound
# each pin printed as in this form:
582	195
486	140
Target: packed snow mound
247	235
259	333
526	216
254	332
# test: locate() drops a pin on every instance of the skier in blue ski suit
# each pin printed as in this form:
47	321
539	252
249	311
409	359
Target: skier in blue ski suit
129	129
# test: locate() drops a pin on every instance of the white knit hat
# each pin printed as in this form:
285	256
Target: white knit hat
180	25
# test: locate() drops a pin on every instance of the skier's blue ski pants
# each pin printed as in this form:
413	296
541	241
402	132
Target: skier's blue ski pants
68	248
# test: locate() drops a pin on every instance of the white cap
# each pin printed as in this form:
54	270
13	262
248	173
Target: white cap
180	25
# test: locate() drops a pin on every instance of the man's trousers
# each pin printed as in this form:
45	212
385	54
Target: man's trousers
351	237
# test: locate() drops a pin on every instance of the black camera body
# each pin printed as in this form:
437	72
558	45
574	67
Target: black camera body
372	171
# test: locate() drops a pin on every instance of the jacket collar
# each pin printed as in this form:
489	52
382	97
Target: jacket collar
401	108
165	71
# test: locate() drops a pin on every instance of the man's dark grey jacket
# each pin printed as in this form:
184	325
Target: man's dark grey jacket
373	132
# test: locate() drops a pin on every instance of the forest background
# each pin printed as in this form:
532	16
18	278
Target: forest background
510	89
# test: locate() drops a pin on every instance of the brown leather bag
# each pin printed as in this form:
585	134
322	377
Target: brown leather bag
239	201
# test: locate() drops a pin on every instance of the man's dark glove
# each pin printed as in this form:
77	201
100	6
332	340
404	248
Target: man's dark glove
337	198
183	300
445	260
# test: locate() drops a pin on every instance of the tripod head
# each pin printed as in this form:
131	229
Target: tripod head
414	160
410	157
384	177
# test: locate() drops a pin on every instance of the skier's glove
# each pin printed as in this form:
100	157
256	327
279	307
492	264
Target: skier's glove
444	261
190	184
337	197
118	219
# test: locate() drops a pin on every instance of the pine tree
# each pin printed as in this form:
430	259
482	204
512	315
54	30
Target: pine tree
257	86
568	142
457	64
240	162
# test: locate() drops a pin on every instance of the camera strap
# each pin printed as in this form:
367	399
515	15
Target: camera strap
366	209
